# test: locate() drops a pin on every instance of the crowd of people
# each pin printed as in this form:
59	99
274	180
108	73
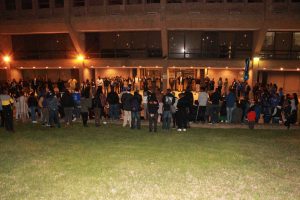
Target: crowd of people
47	103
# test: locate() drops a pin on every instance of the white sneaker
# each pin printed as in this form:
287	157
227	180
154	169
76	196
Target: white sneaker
34	122
179	130
73	120
184	130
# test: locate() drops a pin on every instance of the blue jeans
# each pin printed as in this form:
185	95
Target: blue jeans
167	116
32	112
135	120
114	112
229	113
53	118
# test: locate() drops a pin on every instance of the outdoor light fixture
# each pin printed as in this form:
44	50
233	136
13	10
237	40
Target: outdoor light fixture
256	59
6	59
80	57
46	67
33	67
226	67
281	69
59	67
298	69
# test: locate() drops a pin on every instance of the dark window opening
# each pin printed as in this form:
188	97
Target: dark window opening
26	4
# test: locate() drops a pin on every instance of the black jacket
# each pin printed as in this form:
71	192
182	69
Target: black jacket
67	100
153	105
112	98
126	101
32	101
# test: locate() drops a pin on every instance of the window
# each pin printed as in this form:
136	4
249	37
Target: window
115	2
59	3
281	45
210	44
235	1
96	2
214	1
42	46
174	1
133	44
255	1
296	41
10	4
78	3
131	2
26	4
43	3
153	1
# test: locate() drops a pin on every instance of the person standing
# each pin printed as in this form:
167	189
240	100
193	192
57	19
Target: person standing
215	106
220	84
136	110
126	105
145	104
113	102
85	103
182	114
23	107
230	103
67	103
44	109
153	114
97	106
168	101
202	99
7	104
52	103
32	104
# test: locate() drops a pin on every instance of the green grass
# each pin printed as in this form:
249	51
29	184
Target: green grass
116	163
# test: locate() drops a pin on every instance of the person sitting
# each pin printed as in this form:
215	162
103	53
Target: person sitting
251	116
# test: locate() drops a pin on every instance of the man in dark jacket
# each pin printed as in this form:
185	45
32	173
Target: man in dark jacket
32	105
215	107
153	106
52	103
126	106
181	113
136	102
67	103
113	101
168	101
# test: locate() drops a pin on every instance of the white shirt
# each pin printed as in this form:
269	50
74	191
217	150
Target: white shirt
203	98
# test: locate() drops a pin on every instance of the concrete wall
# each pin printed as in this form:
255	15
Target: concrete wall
52	74
289	81
225	73
112	72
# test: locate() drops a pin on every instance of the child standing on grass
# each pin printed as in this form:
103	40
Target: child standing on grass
251	116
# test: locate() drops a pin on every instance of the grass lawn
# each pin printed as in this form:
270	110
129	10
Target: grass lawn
111	162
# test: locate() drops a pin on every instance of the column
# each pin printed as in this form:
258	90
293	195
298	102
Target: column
165	77
6	47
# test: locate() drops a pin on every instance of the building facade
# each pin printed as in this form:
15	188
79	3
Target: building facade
165	39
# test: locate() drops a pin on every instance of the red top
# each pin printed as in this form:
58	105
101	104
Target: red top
251	116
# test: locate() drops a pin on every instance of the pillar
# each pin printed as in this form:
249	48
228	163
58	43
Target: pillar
6	48
165	77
